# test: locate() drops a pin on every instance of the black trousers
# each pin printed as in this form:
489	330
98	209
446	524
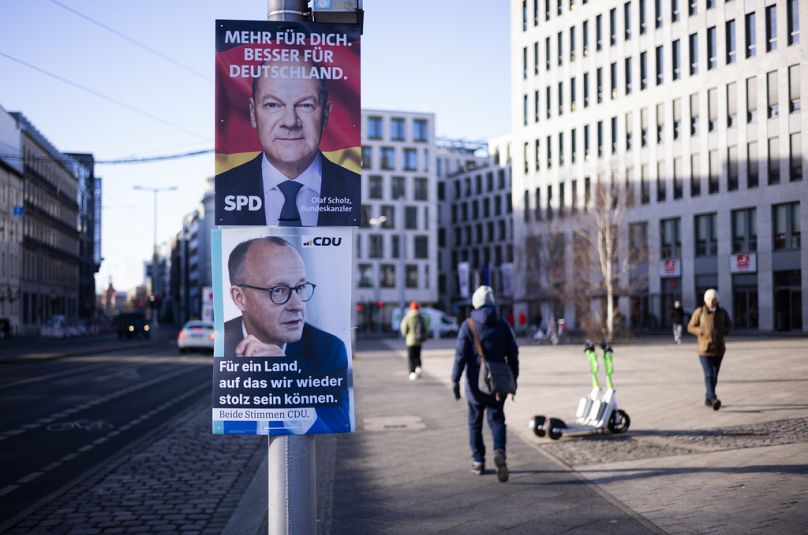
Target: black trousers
414	357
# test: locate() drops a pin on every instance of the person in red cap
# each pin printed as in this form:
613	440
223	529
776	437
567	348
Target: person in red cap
415	330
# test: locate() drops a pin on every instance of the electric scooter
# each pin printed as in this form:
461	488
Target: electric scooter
596	412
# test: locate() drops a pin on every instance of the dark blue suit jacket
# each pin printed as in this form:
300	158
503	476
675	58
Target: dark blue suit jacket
318	353
337	184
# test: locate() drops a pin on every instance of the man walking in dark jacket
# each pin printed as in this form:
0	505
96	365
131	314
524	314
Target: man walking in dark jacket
498	344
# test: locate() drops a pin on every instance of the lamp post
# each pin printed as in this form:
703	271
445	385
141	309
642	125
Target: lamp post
154	191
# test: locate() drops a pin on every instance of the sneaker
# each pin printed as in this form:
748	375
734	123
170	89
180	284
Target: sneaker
413	377
418	371
478	468
708	402
716	404
502	466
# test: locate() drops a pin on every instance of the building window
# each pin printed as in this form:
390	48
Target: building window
771	28
526	202
410	160
375	246
397	129
524	63
537	153
419	130
537	207
546	10
599	84
389	214
657	14
585	36
660	122
786	226
586	142
676	60
388	276
560	98
547	63
374	127
536	57
772	101
705	235
627	20
524	15
732	168
692	7
629	128
773	161
627	74
795	157
660	65
714	168
398	187
549	146
695	175
525	110
374	187
732	105
364	276
612	27
712	109
661	183
586	89
572	94
711	48
744	231
694	53
729	37
678	188
613	80
561	148
411	217
613	139
710	4
600	139
388	158
677	118
549	207
598	32
421	189
751	99
752	166
793	21
421	245
674	10
643	127
645	187
643	71
572	43
559	49
794	89
750	35
366	215
367	157
536	107
411	276
638	243
643	16
670	242
547	102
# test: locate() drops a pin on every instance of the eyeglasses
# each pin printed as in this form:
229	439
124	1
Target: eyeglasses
280	295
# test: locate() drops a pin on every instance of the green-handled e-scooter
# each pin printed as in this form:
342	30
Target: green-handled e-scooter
596	412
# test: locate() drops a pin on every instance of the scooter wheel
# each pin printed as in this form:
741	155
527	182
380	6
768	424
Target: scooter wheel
538	426
554	429
619	421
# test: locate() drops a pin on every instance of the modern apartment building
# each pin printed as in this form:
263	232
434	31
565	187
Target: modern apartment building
396	245
476	232
691	111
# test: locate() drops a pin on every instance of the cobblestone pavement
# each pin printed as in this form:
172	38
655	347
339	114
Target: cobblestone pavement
182	480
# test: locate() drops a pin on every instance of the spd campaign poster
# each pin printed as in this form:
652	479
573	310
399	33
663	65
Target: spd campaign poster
288	116
282	355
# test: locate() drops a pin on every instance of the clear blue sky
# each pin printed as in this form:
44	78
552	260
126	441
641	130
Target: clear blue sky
449	57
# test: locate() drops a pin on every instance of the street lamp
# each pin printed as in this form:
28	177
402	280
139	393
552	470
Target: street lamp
377	222
154	191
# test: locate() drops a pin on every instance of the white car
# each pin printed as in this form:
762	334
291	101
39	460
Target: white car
196	335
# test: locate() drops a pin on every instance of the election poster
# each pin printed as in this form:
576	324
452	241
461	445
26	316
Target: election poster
288	116
282	354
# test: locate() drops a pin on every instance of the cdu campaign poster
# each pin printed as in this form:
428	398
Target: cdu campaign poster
282	355
288	117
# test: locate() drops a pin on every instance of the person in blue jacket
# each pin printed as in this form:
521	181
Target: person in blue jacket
498	343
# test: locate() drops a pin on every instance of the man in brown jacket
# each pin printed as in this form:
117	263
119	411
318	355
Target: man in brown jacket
710	324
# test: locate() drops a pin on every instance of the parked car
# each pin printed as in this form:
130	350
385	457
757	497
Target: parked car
132	324
56	327
440	323
196	335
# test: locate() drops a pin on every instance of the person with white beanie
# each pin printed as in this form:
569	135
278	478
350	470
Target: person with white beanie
498	344
710	324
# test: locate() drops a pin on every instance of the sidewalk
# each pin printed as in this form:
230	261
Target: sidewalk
681	468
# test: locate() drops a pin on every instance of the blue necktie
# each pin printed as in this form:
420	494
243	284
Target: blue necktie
290	216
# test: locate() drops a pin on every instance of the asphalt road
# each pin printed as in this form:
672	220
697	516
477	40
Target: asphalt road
63	419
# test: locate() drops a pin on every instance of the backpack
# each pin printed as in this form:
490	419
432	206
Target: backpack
421	332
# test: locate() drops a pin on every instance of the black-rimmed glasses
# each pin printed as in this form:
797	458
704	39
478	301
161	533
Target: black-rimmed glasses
280	295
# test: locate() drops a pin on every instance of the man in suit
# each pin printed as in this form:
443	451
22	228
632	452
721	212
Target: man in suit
294	182
269	287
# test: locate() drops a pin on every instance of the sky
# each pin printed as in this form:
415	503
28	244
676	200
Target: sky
137	80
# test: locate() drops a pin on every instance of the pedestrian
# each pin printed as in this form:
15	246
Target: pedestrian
678	317
415	330
498	344
710	324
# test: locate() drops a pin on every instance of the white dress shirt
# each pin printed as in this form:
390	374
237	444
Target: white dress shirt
308	197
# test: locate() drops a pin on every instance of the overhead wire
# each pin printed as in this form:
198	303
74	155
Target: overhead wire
113	161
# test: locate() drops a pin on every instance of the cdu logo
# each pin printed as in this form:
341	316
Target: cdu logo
322	241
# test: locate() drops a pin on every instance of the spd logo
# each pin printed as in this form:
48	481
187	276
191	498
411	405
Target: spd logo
238	203
322	241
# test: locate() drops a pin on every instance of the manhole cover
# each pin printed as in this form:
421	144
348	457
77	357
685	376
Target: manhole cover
393	423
